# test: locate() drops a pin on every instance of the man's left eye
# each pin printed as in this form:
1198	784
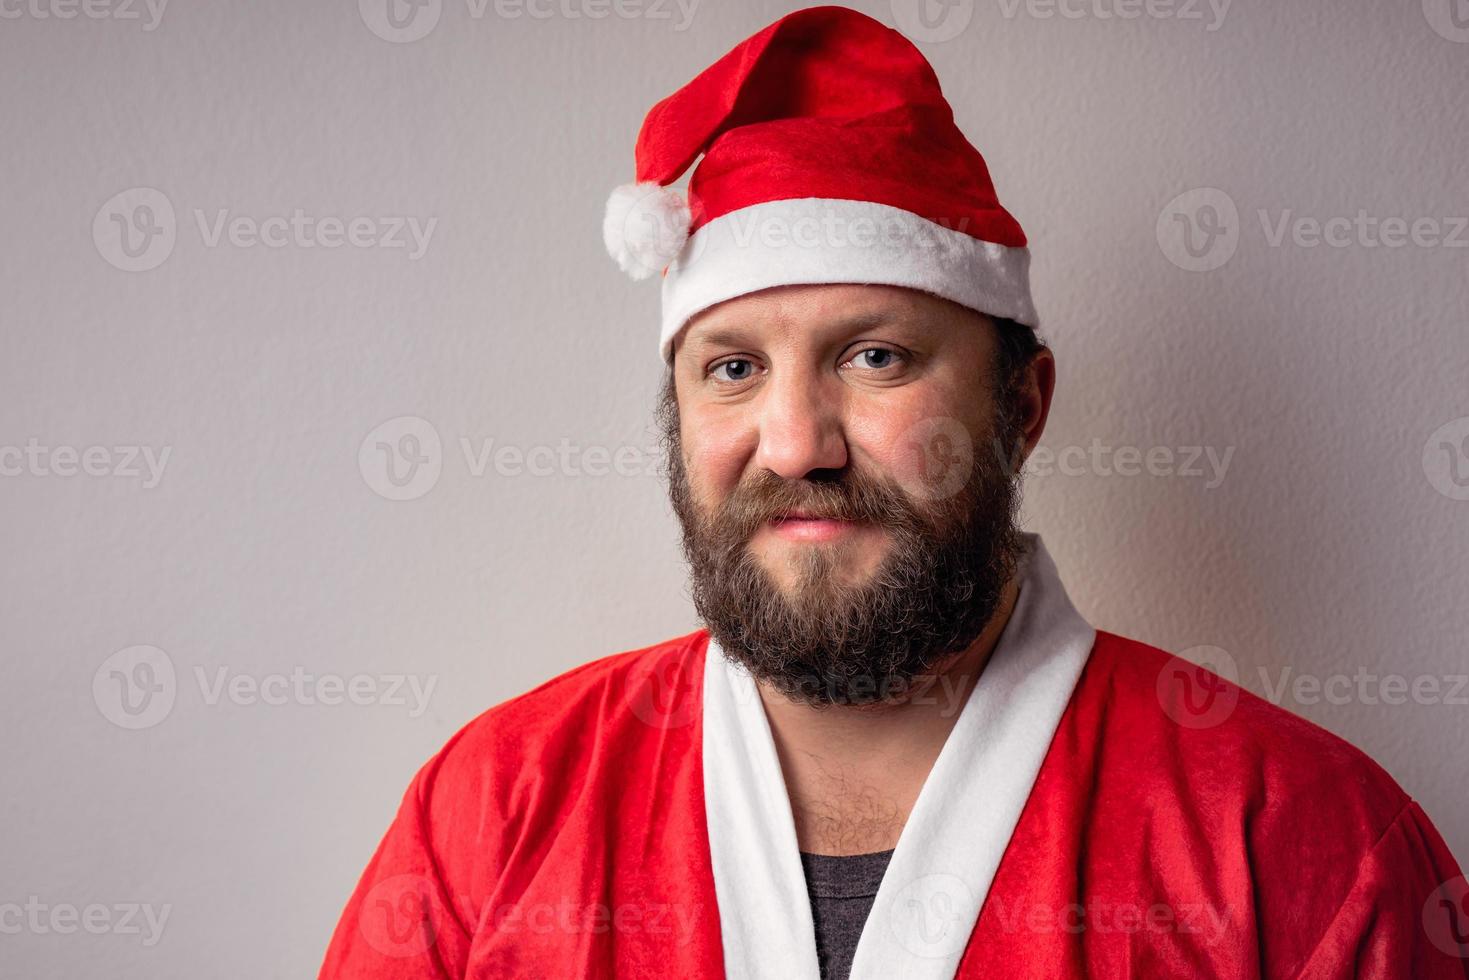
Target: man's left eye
876	358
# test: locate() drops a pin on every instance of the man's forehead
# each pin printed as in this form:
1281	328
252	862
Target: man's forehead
821	313
750	328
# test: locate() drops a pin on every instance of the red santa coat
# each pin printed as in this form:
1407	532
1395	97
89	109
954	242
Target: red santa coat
1101	809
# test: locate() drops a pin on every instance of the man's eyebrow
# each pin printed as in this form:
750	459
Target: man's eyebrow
717	337
737	336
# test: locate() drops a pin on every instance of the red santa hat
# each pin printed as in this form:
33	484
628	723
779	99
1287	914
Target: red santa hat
829	156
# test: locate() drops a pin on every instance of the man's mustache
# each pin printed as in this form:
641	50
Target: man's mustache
854	496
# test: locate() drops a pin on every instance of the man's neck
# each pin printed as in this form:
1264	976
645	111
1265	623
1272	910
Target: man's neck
853	773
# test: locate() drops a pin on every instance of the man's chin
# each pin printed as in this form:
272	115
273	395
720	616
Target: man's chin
847	561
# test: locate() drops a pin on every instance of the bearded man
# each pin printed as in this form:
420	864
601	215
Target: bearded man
895	749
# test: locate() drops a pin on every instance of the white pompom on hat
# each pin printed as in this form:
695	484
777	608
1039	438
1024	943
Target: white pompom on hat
645	226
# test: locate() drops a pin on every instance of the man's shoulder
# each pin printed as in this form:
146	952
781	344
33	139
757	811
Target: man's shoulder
1200	728
586	710
576	747
1235	805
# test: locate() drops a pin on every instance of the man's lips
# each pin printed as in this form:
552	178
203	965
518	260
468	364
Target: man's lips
798	526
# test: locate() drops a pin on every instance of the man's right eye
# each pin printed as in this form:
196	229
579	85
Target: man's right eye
737	369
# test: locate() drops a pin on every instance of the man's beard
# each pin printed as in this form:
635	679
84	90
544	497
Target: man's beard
826	642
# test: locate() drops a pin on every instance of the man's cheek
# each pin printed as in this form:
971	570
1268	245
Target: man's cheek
714	469
931	458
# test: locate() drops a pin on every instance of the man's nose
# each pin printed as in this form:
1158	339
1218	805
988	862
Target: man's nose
800	429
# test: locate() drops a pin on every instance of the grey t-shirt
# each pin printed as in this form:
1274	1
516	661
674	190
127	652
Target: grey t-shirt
841	891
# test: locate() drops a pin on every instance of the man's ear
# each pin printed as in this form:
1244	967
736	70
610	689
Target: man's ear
1033	402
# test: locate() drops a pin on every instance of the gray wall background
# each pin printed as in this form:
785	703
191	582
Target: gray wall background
1330	376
